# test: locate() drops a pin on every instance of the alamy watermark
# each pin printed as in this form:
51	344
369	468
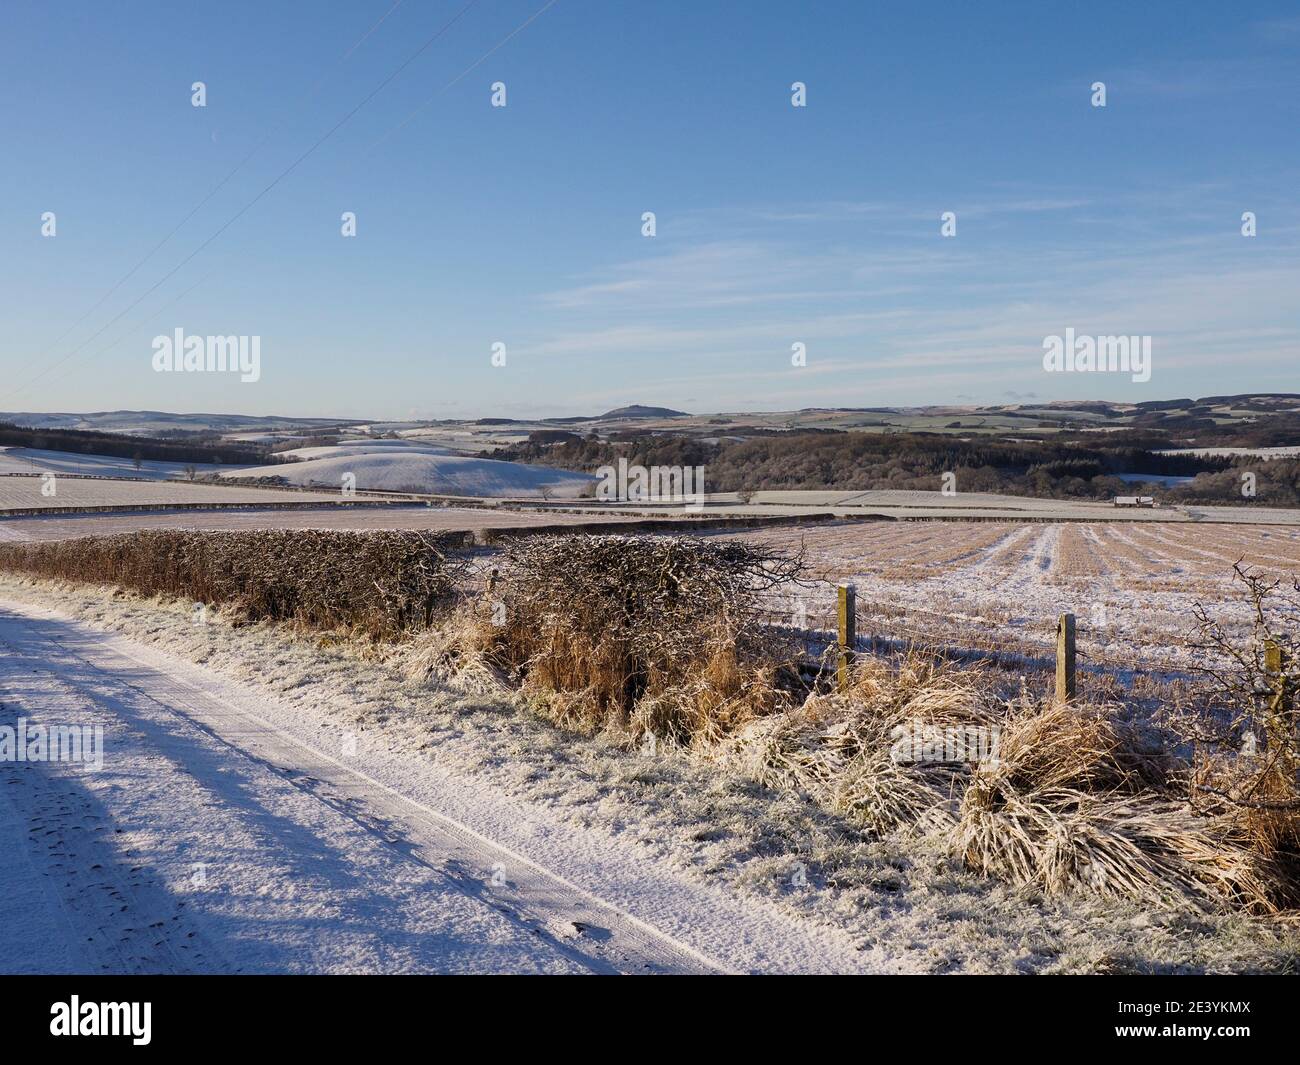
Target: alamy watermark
23	742
75	1017
1074	353
651	484
178	353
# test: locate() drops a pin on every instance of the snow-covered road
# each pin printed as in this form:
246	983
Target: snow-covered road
229	832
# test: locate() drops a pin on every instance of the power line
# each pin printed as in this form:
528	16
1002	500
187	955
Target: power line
166	306
251	203
215	189
366	35
294	165
464	73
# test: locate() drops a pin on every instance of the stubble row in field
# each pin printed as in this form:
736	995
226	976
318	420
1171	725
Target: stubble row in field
1001	586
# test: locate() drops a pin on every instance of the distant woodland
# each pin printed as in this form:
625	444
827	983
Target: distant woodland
1067	466
119	445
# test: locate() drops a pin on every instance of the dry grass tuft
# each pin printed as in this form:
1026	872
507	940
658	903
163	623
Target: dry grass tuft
842	749
1078	798
452	653
1071	797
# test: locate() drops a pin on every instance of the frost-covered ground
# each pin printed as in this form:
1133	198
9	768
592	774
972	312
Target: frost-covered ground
392	516
1001	586
910	505
196	847
731	874
48	491
404	466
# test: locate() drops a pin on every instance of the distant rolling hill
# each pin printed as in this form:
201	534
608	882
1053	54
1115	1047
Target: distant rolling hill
635	410
399	466
150	422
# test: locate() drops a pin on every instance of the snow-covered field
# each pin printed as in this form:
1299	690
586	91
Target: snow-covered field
470	439
379	465
909	504
350	448
22	493
1001	586
394	516
402	466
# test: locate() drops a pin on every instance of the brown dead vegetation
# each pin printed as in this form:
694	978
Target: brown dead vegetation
375	584
639	634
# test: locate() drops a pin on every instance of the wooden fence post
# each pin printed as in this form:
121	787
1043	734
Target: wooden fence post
1278	723
1065	680
1273	658
848	633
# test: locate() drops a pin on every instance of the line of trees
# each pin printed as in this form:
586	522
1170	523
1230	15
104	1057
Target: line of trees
120	445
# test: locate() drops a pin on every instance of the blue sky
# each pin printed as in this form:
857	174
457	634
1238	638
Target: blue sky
775	224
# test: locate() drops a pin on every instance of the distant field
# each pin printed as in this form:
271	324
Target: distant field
61	527
994	585
984	505
21	493
1257	452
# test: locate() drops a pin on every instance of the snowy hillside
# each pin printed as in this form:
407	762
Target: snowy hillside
398	466
350	448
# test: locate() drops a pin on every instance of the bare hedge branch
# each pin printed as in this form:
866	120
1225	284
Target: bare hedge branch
380	584
668	622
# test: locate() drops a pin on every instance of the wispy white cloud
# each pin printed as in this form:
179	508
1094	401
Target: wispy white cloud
924	314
